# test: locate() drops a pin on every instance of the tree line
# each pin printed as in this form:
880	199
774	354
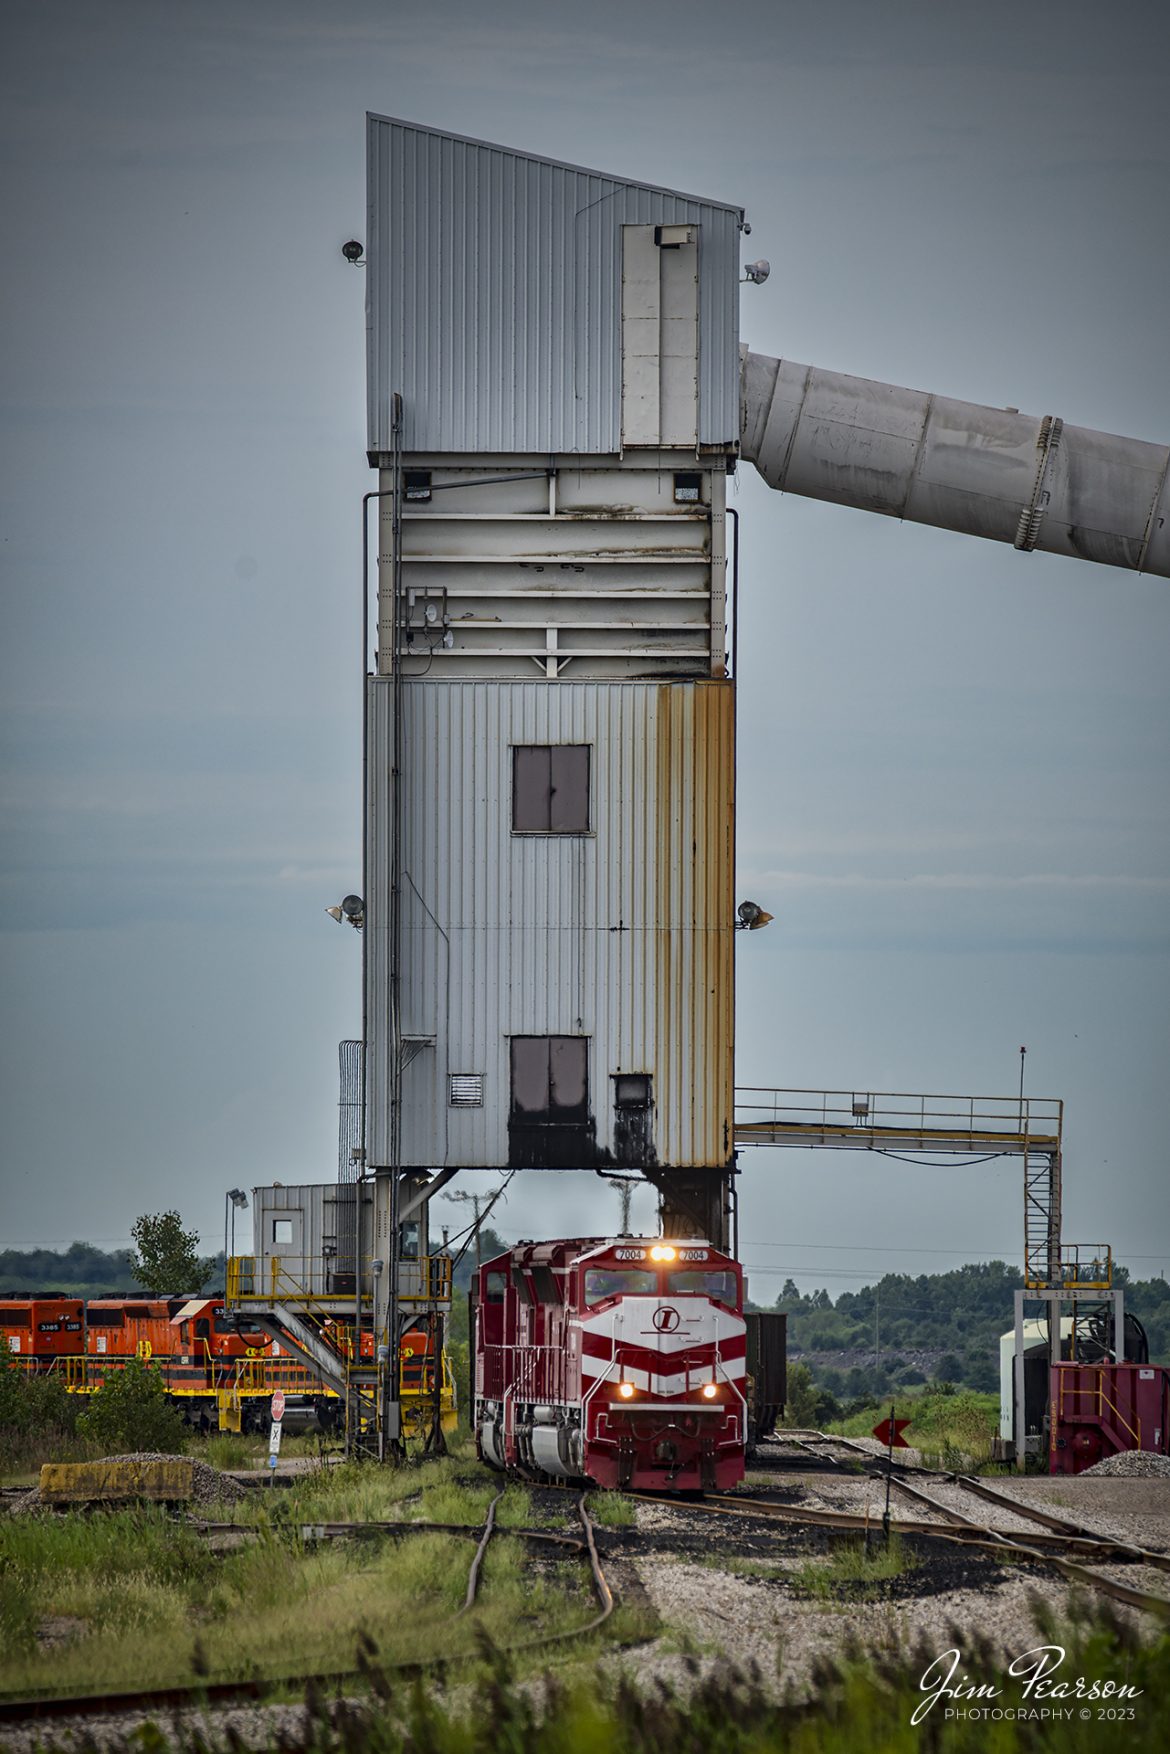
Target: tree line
905	1330
163	1262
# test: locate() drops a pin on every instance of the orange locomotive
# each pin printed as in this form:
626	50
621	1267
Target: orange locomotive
222	1377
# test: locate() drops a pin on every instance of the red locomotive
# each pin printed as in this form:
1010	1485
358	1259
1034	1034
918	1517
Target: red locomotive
619	1361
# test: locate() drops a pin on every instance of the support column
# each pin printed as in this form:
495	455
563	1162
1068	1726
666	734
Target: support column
695	1202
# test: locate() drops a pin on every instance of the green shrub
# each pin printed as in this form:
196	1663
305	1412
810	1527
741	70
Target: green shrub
33	1404
808	1404
131	1412
38	1415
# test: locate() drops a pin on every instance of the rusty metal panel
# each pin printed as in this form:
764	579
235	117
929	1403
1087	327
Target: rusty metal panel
162	1482
494	296
622	935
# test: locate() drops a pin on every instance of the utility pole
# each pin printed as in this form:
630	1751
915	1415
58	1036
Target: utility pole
625	1188
476	1202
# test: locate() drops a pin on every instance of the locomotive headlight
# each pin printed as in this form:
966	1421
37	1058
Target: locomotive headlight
625	1390
661	1252
710	1390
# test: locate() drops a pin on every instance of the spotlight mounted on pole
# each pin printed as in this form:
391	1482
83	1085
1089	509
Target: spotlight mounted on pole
351	908
752	917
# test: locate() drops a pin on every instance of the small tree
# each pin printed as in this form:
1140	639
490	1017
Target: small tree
131	1412
166	1258
807	1403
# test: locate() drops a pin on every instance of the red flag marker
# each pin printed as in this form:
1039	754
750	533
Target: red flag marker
890	1432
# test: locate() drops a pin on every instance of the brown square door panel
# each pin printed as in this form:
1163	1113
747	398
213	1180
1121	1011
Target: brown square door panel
550	1076
569	788
530	1074
550	788
568	1076
549	1125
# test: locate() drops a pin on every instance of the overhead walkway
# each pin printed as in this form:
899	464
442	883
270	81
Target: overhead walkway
898	1123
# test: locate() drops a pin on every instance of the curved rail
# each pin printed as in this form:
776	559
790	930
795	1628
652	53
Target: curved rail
481	1549
160	1699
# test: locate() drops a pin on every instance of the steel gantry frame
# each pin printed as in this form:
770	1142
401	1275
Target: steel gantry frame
1027	1127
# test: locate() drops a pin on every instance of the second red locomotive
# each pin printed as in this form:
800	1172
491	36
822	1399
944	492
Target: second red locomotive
620	1361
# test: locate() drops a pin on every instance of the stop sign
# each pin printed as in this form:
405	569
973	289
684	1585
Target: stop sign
278	1406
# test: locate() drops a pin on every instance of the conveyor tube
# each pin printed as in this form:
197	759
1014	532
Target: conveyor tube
1018	478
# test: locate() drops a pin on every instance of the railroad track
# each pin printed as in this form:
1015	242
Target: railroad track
41	1705
1062	1543
1073	1531
1050	1549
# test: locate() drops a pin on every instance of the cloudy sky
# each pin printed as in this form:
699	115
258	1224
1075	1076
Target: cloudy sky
954	758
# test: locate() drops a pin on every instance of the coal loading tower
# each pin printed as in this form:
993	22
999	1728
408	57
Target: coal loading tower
553	379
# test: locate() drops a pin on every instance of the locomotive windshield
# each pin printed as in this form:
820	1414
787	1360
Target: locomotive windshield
720	1286
603	1282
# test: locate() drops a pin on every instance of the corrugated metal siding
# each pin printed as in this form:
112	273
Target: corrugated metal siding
624	935
323	1218
494	296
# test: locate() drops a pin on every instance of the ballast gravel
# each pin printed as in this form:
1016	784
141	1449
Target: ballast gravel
1134	1464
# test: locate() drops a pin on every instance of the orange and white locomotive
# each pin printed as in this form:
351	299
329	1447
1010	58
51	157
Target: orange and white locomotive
620	1361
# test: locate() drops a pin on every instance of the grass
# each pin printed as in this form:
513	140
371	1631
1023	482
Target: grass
610	1510
951	1431
854	1571
149	1604
22	1452
862	1700
272	1607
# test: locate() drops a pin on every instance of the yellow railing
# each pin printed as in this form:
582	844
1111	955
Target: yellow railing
1075	1388
304	1280
1087	1267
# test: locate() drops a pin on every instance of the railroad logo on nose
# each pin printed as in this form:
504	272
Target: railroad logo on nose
666	1319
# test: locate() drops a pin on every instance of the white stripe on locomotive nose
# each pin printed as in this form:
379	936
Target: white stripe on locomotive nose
633	1320
664	1382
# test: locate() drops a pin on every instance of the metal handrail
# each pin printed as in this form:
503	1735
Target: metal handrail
870	1108
1077	1389
259	1279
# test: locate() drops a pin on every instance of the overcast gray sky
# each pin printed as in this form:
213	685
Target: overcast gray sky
954	758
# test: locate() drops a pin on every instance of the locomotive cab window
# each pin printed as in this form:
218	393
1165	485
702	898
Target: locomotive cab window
604	1282
550	788
494	1288
719	1286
